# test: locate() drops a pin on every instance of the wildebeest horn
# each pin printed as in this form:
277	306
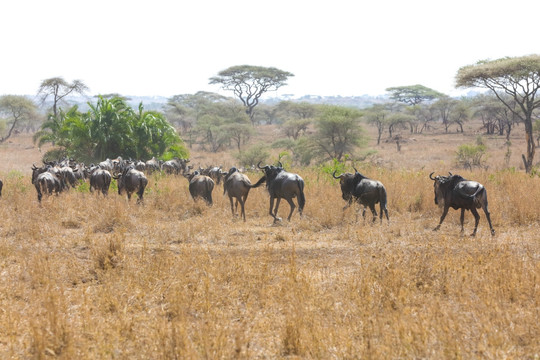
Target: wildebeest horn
450	173
336	177
431	176
280	164
355	169
259	165
34	167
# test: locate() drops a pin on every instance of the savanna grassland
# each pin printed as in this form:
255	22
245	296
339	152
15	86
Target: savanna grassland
88	277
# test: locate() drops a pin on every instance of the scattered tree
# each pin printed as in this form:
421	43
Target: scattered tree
58	89
518	77
378	115
338	132
249	83
16	109
413	94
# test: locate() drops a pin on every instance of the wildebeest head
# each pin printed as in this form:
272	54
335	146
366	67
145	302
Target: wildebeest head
271	171
348	182
443	185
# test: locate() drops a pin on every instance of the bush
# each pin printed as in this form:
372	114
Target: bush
253	155
469	156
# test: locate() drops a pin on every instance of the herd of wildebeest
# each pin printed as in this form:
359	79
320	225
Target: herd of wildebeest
452	191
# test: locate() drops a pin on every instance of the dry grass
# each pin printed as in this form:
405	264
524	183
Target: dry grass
84	276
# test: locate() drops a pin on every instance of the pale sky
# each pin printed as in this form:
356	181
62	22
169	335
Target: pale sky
169	47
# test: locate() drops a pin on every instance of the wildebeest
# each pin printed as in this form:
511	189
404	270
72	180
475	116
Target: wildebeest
365	191
200	186
106	164
47	179
153	165
215	173
455	192
131	180
100	180
175	166
1	186
69	176
237	185
282	185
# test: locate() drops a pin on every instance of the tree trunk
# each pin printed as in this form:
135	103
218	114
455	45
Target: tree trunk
528	160
10	131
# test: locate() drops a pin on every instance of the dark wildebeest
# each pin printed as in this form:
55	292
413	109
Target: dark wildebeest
237	185
282	184
131	180
100	180
365	191
200	186
1	185
455	192
47	179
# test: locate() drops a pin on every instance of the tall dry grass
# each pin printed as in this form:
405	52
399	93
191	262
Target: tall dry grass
83	276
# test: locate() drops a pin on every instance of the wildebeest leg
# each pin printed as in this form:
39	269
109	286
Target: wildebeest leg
476	220
385	212
242	211
291	203
373	212
232	205
486	211
462	219
278	200
445	211
272	208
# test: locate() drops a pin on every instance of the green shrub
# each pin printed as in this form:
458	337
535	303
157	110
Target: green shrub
252	156
469	156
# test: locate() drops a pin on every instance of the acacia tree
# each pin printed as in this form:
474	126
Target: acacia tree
517	77
58	89
249	83
413	94
17	108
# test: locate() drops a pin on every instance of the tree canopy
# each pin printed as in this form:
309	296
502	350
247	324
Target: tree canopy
338	132
413	94
58	89
16	108
109	129
249	83
516	77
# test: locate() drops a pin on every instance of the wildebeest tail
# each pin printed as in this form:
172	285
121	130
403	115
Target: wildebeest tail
301	196
142	185
476	197
382	197
209	187
258	183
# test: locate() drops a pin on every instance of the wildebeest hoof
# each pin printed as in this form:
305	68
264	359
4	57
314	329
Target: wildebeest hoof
277	219
492	232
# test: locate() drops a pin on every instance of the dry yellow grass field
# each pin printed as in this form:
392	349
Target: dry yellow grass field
88	277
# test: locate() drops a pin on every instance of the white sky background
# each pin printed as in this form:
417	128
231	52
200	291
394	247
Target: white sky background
160	47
